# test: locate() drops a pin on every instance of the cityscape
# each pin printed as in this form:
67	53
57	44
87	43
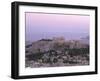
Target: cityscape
57	52
56	40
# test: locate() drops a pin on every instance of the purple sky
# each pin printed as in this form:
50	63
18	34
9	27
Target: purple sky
40	25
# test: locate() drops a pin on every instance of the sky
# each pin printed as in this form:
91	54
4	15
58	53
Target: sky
46	25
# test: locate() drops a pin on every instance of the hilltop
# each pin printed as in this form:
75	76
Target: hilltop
57	52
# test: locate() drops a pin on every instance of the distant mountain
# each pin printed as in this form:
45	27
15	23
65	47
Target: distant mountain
28	44
85	40
87	37
45	40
